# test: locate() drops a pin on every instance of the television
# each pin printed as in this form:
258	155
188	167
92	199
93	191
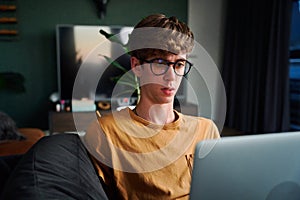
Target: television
81	63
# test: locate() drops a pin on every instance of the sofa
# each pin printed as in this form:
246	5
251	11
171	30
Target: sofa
56	167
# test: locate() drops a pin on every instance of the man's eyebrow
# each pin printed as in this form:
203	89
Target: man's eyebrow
159	58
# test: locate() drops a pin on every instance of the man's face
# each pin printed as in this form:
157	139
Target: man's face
159	89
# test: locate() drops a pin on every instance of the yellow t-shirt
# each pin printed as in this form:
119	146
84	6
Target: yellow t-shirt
140	160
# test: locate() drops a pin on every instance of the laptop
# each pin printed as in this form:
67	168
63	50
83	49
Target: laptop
254	167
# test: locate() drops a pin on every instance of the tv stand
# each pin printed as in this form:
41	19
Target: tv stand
60	122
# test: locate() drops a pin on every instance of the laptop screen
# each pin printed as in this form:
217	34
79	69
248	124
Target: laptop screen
265	166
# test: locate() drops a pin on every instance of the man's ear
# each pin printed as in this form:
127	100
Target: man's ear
136	66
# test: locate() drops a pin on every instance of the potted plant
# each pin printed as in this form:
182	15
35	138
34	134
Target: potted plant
130	79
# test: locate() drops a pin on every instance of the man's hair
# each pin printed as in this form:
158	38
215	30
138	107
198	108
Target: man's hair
8	128
158	34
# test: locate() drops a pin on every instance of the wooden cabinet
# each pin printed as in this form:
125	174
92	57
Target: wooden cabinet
64	121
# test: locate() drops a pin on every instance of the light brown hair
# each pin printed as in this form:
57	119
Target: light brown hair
170	36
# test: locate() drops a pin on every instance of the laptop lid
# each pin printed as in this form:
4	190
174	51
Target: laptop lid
255	167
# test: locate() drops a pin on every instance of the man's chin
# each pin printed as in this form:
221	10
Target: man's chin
168	100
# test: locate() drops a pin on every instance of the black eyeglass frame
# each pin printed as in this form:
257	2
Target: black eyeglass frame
168	63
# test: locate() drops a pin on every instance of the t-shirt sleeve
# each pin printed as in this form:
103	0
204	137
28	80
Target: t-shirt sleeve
207	129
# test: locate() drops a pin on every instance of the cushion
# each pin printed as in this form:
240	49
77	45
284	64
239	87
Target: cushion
56	167
7	165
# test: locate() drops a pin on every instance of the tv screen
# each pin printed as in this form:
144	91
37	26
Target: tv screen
82	61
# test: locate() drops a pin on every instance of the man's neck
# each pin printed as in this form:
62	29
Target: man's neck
158	113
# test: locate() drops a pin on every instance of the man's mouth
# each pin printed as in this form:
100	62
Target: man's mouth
168	91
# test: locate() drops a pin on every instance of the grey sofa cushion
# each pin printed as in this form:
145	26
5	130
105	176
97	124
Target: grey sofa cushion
56	167
7	165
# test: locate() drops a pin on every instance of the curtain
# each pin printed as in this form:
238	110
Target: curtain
255	67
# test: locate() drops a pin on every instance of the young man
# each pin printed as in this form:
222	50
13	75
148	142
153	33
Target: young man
147	152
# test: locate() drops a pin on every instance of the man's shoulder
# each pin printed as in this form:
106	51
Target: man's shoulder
204	124
115	114
115	117
201	119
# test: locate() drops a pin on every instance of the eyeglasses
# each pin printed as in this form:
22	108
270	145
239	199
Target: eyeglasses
160	66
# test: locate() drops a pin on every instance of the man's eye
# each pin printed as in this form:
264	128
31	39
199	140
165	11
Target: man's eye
160	61
180	64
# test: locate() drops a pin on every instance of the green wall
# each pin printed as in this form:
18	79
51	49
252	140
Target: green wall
34	53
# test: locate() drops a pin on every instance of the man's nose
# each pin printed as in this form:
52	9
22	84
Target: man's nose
170	74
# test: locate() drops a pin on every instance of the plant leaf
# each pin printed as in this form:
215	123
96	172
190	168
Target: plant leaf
111	37
115	63
127	83
124	92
